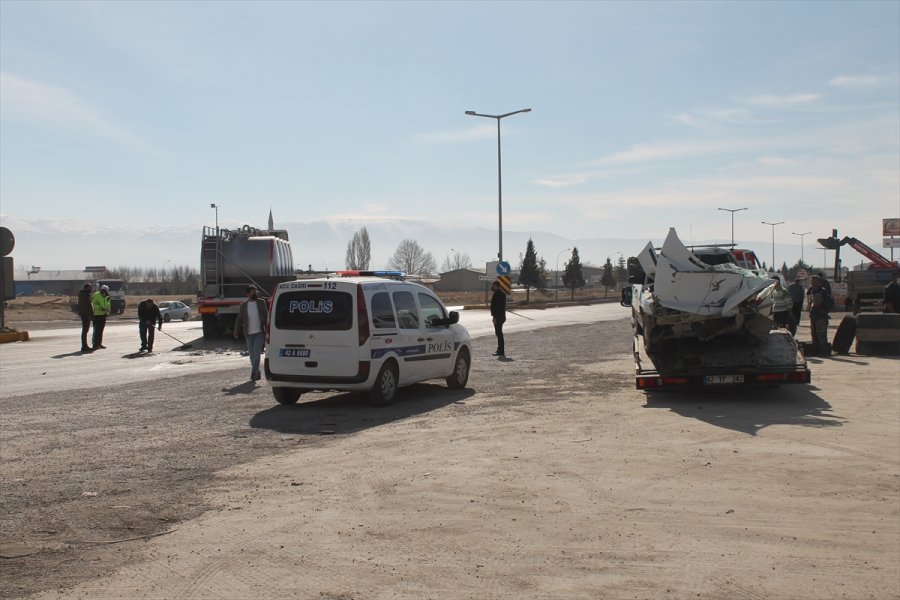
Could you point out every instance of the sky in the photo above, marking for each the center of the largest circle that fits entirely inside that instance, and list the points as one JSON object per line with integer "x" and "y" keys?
{"x": 645, "y": 115}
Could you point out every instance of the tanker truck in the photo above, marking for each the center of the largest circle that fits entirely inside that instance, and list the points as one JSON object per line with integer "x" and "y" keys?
{"x": 232, "y": 259}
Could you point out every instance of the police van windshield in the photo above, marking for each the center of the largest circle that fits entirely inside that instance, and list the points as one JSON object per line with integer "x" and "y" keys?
{"x": 314, "y": 310}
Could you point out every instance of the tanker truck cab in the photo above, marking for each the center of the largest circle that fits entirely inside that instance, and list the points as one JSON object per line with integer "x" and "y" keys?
{"x": 361, "y": 333}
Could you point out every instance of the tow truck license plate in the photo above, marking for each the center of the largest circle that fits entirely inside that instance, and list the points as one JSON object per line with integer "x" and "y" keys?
{"x": 293, "y": 352}
{"x": 720, "y": 379}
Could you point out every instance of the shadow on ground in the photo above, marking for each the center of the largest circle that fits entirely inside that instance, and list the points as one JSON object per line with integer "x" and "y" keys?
{"x": 749, "y": 410}
{"x": 349, "y": 413}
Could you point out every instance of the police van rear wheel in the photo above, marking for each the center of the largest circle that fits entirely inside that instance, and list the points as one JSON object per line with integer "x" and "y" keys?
{"x": 460, "y": 375}
{"x": 385, "y": 389}
{"x": 286, "y": 395}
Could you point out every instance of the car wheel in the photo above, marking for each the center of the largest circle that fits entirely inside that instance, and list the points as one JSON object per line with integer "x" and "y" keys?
{"x": 185, "y": 316}
{"x": 460, "y": 374}
{"x": 286, "y": 395}
{"x": 385, "y": 389}
{"x": 167, "y": 317}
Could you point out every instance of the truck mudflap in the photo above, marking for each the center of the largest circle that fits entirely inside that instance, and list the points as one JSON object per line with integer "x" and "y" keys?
{"x": 724, "y": 362}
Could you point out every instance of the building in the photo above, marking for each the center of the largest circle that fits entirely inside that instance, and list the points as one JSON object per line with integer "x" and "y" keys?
{"x": 461, "y": 280}
{"x": 45, "y": 282}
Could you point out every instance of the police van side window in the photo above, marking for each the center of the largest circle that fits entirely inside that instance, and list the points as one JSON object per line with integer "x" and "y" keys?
{"x": 383, "y": 311}
{"x": 431, "y": 309}
{"x": 407, "y": 313}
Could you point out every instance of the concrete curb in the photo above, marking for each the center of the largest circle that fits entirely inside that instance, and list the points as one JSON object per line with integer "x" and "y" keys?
{"x": 13, "y": 336}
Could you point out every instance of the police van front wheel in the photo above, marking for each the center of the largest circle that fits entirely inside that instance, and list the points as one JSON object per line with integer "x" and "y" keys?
{"x": 385, "y": 389}
{"x": 460, "y": 374}
{"x": 286, "y": 395}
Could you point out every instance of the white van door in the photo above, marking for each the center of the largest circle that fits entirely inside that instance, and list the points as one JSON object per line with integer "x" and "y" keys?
{"x": 410, "y": 346}
{"x": 313, "y": 332}
{"x": 438, "y": 338}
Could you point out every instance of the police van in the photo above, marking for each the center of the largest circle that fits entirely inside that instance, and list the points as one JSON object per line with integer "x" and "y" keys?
{"x": 361, "y": 333}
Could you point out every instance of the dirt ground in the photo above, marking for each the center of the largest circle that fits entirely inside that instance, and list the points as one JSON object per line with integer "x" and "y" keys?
{"x": 549, "y": 477}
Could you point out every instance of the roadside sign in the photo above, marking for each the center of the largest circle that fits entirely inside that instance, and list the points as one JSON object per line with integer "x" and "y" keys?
{"x": 485, "y": 278}
{"x": 505, "y": 284}
{"x": 891, "y": 242}
{"x": 503, "y": 268}
{"x": 890, "y": 227}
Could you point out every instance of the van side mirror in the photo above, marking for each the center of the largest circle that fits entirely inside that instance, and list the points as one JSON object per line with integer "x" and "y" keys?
{"x": 626, "y": 297}
{"x": 453, "y": 318}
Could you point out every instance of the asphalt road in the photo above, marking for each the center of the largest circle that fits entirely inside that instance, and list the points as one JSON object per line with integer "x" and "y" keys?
{"x": 51, "y": 361}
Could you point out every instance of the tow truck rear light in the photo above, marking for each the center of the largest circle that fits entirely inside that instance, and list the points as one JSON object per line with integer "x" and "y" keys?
{"x": 362, "y": 315}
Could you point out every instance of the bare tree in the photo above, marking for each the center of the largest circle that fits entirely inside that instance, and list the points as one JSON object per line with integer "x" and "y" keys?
{"x": 359, "y": 251}
{"x": 410, "y": 258}
{"x": 456, "y": 261}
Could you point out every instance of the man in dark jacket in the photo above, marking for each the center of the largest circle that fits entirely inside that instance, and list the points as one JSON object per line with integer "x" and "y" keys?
{"x": 148, "y": 317}
{"x": 820, "y": 304}
{"x": 498, "y": 315}
{"x": 251, "y": 321}
{"x": 86, "y": 312}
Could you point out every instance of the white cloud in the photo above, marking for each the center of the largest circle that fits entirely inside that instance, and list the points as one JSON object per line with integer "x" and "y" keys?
{"x": 653, "y": 152}
{"x": 776, "y": 161}
{"x": 462, "y": 135}
{"x": 858, "y": 81}
{"x": 52, "y": 105}
{"x": 558, "y": 181}
{"x": 772, "y": 100}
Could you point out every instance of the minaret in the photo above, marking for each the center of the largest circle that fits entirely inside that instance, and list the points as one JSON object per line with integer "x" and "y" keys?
{"x": 271, "y": 221}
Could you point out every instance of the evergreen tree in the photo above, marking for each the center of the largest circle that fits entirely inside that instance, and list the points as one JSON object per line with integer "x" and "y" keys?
{"x": 529, "y": 275}
{"x": 542, "y": 270}
{"x": 621, "y": 271}
{"x": 607, "y": 280}
{"x": 573, "y": 277}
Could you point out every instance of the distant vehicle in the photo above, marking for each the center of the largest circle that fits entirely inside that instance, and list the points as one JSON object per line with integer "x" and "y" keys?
{"x": 174, "y": 310}
{"x": 232, "y": 259}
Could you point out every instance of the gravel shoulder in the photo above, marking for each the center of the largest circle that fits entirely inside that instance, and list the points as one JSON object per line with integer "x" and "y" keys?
{"x": 548, "y": 477}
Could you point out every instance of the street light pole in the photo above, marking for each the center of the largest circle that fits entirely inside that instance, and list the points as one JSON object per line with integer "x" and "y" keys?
{"x": 216, "y": 206}
{"x": 556, "y": 284}
{"x": 732, "y": 211}
{"x": 773, "y": 240}
{"x": 801, "y": 244}
{"x": 472, "y": 113}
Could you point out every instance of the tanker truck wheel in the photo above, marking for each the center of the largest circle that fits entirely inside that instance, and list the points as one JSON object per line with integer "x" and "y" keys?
{"x": 210, "y": 330}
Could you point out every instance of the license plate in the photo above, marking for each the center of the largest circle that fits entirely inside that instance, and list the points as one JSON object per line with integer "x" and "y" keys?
{"x": 293, "y": 352}
{"x": 722, "y": 379}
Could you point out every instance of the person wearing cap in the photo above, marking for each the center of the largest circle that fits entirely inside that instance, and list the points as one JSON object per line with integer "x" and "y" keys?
{"x": 148, "y": 317}
{"x": 101, "y": 305}
{"x": 820, "y": 304}
{"x": 86, "y": 312}
{"x": 251, "y": 322}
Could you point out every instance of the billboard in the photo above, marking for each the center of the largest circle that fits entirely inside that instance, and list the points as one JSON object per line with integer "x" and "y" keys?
{"x": 890, "y": 227}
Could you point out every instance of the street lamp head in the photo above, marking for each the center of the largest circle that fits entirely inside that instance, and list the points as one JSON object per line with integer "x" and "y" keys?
{"x": 470, "y": 112}
{"x": 212, "y": 205}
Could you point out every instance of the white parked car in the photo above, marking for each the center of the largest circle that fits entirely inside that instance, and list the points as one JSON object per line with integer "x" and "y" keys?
{"x": 174, "y": 310}
{"x": 362, "y": 334}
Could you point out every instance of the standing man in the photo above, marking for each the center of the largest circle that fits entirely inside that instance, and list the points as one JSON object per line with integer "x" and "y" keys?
{"x": 101, "y": 304}
{"x": 892, "y": 294}
{"x": 251, "y": 321}
{"x": 86, "y": 312}
{"x": 148, "y": 317}
{"x": 820, "y": 304}
{"x": 797, "y": 296}
{"x": 498, "y": 316}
